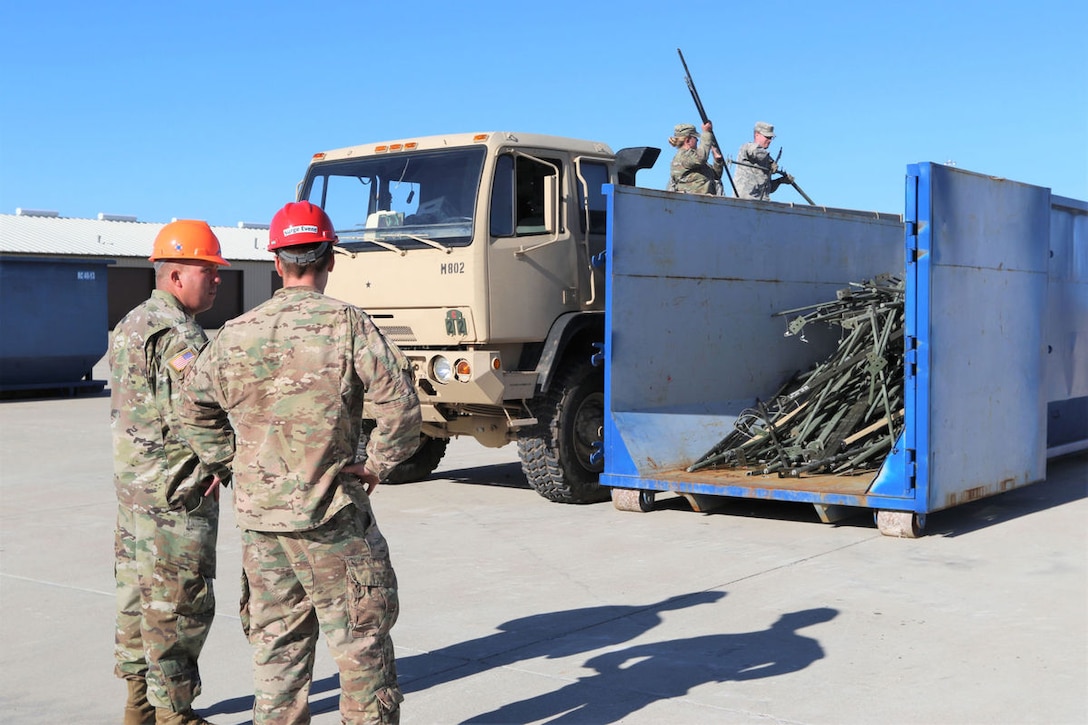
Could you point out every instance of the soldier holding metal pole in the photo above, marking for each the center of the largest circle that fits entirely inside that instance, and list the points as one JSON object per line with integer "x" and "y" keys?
{"x": 710, "y": 145}
{"x": 755, "y": 167}
{"x": 689, "y": 171}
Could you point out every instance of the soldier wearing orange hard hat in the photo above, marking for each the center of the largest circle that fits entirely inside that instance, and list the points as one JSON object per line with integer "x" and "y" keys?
{"x": 168, "y": 514}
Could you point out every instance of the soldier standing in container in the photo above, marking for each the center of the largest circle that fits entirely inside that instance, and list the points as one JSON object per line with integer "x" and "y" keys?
{"x": 689, "y": 171}
{"x": 755, "y": 166}
{"x": 167, "y": 517}
{"x": 291, "y": 374}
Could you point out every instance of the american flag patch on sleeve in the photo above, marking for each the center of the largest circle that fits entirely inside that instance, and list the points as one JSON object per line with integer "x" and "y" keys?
{"x": 181, "y": 360}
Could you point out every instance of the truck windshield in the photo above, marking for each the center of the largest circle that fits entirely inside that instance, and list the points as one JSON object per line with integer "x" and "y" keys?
{"x": 404, "y": 200}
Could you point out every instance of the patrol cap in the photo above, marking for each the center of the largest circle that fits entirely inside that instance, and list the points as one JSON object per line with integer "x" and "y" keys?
{"x": 765, "y": 129}
{"x": 683, "y": 130}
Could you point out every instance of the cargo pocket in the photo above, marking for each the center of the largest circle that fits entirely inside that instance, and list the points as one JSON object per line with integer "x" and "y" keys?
{"x": 196, "y": 597}
{"x": 389, "y": 700}
{"x": 373, "y": 603}
{"x": 180, "y": 684}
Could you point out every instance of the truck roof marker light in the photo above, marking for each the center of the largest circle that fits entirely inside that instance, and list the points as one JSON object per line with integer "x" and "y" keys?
{"x": 384, "y": 148}
{"x": 479, "y": 137}
{"x": 320, "y": 155}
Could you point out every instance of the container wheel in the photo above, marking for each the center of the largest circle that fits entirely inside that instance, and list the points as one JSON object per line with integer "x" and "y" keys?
{"x": 901, "y": 524}
{"x": 558, "y": 452}
{"x": 414, "y": 468}
{"x": 629, "y": 499}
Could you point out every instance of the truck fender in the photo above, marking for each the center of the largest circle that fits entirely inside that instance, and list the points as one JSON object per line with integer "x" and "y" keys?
{"x": 565, "y": 329}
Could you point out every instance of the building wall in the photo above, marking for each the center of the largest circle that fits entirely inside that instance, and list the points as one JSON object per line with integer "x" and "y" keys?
{"x": 243, "y": 286}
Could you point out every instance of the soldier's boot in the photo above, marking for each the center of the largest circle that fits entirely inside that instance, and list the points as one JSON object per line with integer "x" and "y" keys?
{"x": 138, "y": 711}
{"x": 163, "y": 716}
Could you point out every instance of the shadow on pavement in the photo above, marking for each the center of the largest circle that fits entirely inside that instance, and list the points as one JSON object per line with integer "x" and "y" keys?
{"x": 552, "y": 635}
{"x": 628, "y": 680}
{"x": 506, "y": 475}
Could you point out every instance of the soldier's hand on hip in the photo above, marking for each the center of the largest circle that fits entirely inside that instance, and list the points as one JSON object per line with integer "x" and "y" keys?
{"x": 359, "y": 471}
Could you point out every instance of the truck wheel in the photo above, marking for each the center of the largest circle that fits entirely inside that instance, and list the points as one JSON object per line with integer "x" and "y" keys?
{"x": 415, "y": 468}
{"x": 556, "y": 451}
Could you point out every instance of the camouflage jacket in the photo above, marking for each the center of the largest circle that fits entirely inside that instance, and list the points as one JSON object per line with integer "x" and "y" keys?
{"x": 150, "y": 351}
{"x": 689, "y": 171}
{"x": 752, "y": 176}
{"x": 290, "y": 376}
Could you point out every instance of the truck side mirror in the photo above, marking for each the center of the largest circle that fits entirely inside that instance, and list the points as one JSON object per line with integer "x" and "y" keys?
{"x": 630, "y": 161}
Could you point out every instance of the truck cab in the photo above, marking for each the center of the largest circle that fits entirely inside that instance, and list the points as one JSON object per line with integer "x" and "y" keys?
{"x": 479, "y": 255}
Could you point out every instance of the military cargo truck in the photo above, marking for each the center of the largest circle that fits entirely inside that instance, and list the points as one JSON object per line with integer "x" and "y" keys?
{"x": 479, "y": 255}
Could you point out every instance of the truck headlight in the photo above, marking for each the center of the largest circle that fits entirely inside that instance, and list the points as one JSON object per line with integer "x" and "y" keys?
{"x": 441, "y": 369}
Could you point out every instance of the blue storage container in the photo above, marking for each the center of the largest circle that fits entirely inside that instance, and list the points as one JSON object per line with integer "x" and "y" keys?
{"x": 53, "y": 322}
{"x": 996, "y": 336}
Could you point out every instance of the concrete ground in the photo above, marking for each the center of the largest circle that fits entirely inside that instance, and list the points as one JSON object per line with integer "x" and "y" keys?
{"x": 516, "y": 610}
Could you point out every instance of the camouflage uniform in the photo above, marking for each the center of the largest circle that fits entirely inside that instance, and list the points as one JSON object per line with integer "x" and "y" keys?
{"x": 753, "y": 173}
{"x": 166, "y": 526}
{"x": 291, "y": 375}
{"x": 689, "y": 171}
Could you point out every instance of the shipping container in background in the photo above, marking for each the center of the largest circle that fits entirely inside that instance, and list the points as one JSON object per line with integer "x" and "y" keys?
{"x": 995, "y": 374}
{"x": 53, "y": 323}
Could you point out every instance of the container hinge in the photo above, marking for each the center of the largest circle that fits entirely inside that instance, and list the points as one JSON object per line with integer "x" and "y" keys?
{"x": 912, "y": 468}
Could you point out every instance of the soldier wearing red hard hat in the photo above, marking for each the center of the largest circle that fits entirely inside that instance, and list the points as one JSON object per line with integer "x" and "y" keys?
{"x": 167, "y": 516}
{"x": 293, "y": 372}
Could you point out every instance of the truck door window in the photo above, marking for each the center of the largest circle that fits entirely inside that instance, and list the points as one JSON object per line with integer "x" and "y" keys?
{"x": 502, "y": 198}
{"x": 517, "y": 196}
{"x": 595, "y": 175}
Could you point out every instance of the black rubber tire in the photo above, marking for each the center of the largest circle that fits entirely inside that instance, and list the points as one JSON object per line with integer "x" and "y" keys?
{"x": 416, "y": 468}
{"x": 555, "y": 451}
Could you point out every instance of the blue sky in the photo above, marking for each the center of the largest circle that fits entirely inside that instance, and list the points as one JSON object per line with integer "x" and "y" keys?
{"x": 212, "y": 110}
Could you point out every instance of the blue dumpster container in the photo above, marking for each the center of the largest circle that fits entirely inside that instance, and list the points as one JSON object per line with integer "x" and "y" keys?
{"x": 53, "y": 322}
{"x": 996, "y": 308}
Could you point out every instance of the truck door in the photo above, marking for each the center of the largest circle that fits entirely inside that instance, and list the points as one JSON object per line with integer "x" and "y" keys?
{"x": 532, "y": 270}
{"x": 592, "y": 222}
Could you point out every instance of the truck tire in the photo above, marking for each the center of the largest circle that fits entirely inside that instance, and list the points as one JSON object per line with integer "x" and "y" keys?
{"x": 415, "y": 468}
{"x": 556, "y": 451}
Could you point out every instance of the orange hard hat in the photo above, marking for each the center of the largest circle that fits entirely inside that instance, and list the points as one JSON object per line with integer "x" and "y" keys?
{"x": 300, "y": 222}
{"x": 187, "y": 239}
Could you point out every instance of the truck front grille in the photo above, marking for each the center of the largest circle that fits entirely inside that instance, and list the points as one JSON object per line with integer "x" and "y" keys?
{"x": 398, "y": 333}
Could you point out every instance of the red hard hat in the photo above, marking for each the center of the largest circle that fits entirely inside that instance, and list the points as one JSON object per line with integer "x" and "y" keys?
{"x": 300, "y": 222}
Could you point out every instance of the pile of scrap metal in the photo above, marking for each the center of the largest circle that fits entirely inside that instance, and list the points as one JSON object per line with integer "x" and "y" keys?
{"x": 844, "y": 415}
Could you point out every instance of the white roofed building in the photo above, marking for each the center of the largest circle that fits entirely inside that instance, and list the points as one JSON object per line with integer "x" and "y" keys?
{"x": 249, "y": 280}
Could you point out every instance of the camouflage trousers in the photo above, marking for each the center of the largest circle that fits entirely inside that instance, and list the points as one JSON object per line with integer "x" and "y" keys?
{"x": 337, "y": 580}
{"x": 164, "y": 566}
